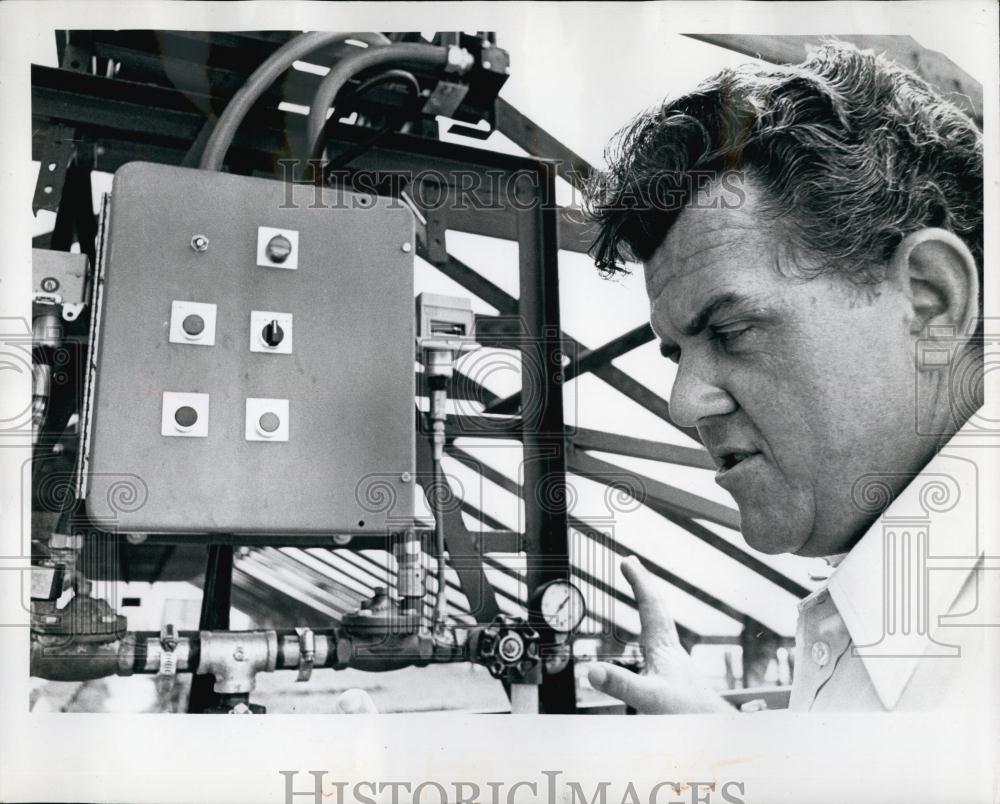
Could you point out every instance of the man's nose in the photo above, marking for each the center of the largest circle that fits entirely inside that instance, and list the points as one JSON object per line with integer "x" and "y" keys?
{"x": 696, "y": 396}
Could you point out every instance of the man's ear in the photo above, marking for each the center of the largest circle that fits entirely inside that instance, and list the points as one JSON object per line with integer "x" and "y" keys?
{"x": 938, "y": 273}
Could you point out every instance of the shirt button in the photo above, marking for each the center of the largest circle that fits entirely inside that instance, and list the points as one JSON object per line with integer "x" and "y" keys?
{"x": 821, "y": 653}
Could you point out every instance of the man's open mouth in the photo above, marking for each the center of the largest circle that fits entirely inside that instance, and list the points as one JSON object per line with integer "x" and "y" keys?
{"x": 730, "y": 459}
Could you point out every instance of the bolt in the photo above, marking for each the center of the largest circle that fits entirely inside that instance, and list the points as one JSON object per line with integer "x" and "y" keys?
{"x": 406, "y": 477}
{"x": 487, "y": 65}
{"x": 199, "y": 243}
{"x": 407, "y": 248}
{"x": 238, "y": 654}
{"x": 241, "y": 709}
{"x": 50, "y": 284}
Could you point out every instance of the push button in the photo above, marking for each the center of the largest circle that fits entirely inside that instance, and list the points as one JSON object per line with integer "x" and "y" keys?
{"x": 185, "y": 416}
{"x": 193, "y": 324}
{"x": 278, "y": 248}
{"x": 269, "y": 422}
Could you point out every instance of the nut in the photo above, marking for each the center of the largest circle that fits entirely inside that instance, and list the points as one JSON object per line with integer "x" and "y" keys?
{"x": 199, "y": 243}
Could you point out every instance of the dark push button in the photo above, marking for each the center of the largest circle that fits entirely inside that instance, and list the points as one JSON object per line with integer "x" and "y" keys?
{"x": 193, "y": 324}
{"x": 185, "y": 416}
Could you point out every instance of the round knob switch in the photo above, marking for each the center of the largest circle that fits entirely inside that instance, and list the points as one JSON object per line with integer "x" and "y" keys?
{"x": 272, "y": 333}
{"x": 193, "y": 324}
{"x": 278, "y": 248}
{"x": 269, "y": 422}
{"x": 185, "y": 416}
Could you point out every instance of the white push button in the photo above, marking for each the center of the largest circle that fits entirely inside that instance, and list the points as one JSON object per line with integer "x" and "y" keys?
{"x": 266, "y": 420}
{"x": 192, "y": 323}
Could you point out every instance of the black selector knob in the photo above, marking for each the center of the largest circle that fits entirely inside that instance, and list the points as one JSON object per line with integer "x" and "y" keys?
{"x": 273, "y": 334}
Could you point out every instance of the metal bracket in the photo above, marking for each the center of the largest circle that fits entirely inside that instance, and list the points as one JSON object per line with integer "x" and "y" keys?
{"x": 307, "y": 652}
{"x": 55, "y": 154}
{"x": 434, "y": 232}
{"x": 96, "y": 294}
{"x": 446, "y": 98}
{"x": 168, "y": 653}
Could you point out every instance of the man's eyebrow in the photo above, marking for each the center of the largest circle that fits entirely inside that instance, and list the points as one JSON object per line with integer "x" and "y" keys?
{"x": 720, "y": 303}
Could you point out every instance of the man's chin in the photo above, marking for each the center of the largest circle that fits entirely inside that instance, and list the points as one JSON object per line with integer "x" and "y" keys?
{"x": 772, "y": 535}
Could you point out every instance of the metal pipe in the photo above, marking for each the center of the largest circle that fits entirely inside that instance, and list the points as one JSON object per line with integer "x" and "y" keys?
{"x": 262, "y": 78}
{"x": 41, "y": 384}
{"x": 349, "y": 66}
{"x": 232, "y": 657}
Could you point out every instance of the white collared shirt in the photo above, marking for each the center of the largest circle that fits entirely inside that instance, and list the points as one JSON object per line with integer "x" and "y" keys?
{"x": 910, "y": 619}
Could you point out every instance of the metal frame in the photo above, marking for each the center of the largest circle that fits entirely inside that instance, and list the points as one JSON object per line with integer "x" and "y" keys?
{"x": 113, "y": 120}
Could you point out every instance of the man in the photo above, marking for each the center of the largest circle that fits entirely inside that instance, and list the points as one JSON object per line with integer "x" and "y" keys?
{"x": 803, "y": 230}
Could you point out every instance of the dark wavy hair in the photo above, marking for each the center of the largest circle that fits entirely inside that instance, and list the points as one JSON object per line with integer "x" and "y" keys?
{"x": 852, "y": 152}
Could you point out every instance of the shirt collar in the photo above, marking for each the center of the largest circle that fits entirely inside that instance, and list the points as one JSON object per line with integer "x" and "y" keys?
{"x": 942, "y": 501}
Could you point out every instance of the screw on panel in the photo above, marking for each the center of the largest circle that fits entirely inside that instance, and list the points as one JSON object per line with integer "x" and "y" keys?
{"x": 407, "y": 248}
{"x": 50, "y": 284}
{"x": 199, "y": 243}
{"x": 406, "y": 477}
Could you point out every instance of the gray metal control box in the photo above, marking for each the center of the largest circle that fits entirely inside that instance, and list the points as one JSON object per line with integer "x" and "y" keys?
{"x": 254, "y": 358}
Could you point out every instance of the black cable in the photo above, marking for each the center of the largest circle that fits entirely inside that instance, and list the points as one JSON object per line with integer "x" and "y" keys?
{"x": 386, "y": 77}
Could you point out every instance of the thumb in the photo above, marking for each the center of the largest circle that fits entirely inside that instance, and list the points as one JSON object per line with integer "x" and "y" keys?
{"x": 643, "y": 693}
{"x": 355, "y": 702}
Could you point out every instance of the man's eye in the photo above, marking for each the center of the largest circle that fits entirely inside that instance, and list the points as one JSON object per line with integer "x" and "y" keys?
{"x": 731, "y": 336}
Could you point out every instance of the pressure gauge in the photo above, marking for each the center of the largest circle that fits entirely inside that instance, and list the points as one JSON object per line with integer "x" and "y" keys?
{"x": 561, "y": 606}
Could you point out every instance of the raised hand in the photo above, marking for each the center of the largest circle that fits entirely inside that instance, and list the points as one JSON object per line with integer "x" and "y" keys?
{"x": 670, "y": 684}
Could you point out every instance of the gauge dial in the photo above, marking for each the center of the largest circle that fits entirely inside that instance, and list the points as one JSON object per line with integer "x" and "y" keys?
{"x": 562, "y": 606}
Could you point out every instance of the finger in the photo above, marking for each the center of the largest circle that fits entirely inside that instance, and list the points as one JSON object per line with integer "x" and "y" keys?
{"x": 356, "y": 702}
{"x": 643, "y": 693}
{"x": 657, "y": 625}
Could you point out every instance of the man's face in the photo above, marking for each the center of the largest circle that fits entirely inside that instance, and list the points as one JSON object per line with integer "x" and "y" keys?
{"x": 797, "y": 387}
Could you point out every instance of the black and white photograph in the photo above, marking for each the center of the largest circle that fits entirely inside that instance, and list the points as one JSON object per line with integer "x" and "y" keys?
{"x": 625, "y": 360}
